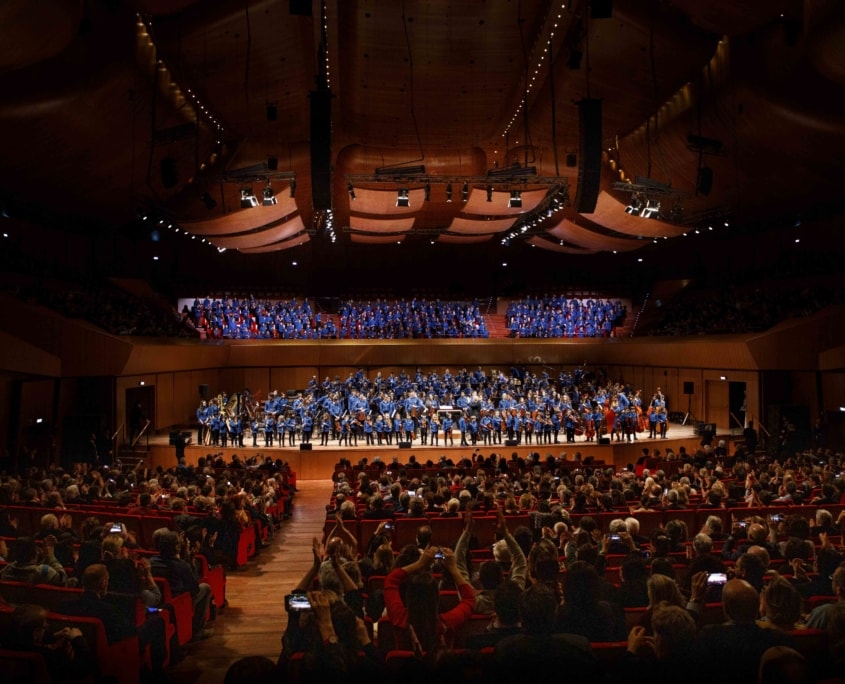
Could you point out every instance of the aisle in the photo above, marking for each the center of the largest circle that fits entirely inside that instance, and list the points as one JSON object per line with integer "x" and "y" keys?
{"x": 255, "y": 619}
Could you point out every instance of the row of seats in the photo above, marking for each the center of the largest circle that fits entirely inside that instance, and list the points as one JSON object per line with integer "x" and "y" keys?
{"x": 445, "y": 531}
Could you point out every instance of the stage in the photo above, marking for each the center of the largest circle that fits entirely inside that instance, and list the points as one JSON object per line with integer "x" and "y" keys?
{"x": 318, "y": 463}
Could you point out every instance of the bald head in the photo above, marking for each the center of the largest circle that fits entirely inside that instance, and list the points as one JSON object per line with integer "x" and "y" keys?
{"x": 761, "y": 554}
{"x": 757, "y": 533}
{"x": 741, "y": 601}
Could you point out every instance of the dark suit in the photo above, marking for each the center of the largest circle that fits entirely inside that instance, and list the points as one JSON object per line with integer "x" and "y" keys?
{"x": 118, "y": 621}
{"x": 523, "y": 653}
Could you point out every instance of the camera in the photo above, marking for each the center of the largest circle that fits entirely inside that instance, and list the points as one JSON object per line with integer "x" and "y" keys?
{"x": 717, "y": 578}
{"x": 776, "y": 517}
{"x": 115, "y": 529}
{"x": 152, "y": 611}
{"x": 614, "y": 537}
{"x": 439, "y": 555}
{"x": 388, "y": 525}
{"x": 743, "y": 523}
{"x": 297, "y": 603}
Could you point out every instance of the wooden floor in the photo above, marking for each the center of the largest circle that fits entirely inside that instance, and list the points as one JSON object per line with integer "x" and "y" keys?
{"x": 255, "y": 619}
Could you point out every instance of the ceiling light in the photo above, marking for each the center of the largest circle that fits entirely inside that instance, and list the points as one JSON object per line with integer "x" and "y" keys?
{"x": 402, "y": 199}
{"x": 516, "y": 199}
{"x": 248, "y": 198}
{"x": 269, "y": 198}
{"x": 448, "y": 192}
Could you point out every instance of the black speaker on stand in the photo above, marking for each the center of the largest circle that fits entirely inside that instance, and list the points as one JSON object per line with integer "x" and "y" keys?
{"x": 511, "y": 442}
{"x": 404, "y": 445}
{"x": 305, "y": 446}
{"x": 689, "y": 390}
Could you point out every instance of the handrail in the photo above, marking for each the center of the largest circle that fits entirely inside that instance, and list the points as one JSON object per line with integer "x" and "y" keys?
{"x": 140, "y": 433}
{"x": 121, "y": 428}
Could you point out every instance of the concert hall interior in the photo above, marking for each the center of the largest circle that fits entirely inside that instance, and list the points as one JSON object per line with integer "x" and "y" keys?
{"x": 591, "y": 203}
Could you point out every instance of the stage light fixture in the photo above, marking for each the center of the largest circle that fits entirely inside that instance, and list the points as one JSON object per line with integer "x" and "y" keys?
{"x": 448, "y": 192}
{"x": 248, "y": 198}
{"x": 351, "y": 190}
{"x": 427, "y": 191}
{"x": 269, "y": 199}
{"x": 635, "y": 206}
{"x": 293, "y": 187}
{"x": 402, "y": 199}
{"x": 516, "y": 199}
{"x": 465, "y": 192}
{"x": 652, "y": 210}
{"x": 489, "y": 193}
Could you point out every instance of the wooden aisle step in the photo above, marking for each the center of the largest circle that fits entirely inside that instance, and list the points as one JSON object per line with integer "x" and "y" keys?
{"x": 255, "y": 619}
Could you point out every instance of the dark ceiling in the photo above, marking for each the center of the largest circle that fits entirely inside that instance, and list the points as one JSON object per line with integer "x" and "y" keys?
{"x": 170, "y": 107}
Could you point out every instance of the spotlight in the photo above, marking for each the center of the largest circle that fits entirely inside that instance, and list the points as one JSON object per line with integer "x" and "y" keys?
{"x": 448, "y": 192}
{"x": 635, "y": 206}
{"x": 652, "y": 210}
{"x": 489, "y": 193}
{"x": 351, "y": 190}
{"x": 269, "y": 198}
{"x": 516, "y": 199}
{"x": 427, "y": 191}
{"x": 402, "y": 199}
{"x": 465, "y": 192}
{"x": 248, "y": 198}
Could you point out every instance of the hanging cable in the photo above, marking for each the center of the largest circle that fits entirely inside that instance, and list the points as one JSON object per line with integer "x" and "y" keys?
{"x": 519, "y": 22}
{"x": 554, "y": 122}
{"x": 411, "y": 88}
{"x": 246, "y": 65}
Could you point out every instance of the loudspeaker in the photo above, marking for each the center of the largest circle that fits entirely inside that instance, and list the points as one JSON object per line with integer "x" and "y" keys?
{"x": 601, "y": 9}
{"x": 689, "y": 388}
{"x": 704, "y": 184}
{"x": 272, "y": 163}
{"x": 571, "y": 160}
{"x": 203, "y": 389}
{"x": 169, "y": 176}
{"x": 300, "y": 8}
{"x": 305, "y": 447}
{"x": 511, "y": 442}
{"x": 604, "y": 440}
{"x": 589, "y": 172}
{"x": 272, "y": 112}
{"x": 321, "y": 148}
{"x": 404, "y": 445}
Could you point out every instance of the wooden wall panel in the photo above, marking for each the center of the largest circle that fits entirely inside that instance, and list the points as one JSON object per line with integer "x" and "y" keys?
{"x": 165, "y": 409}
{"x": 716, "y": 403}
{"x": 185, "y": 396}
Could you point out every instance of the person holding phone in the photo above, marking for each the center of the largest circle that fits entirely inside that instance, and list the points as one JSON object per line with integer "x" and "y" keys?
{"x": 419, "y": 609}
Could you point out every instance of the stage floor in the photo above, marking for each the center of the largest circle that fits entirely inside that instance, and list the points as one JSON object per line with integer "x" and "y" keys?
{"x": 318, "y": 462}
